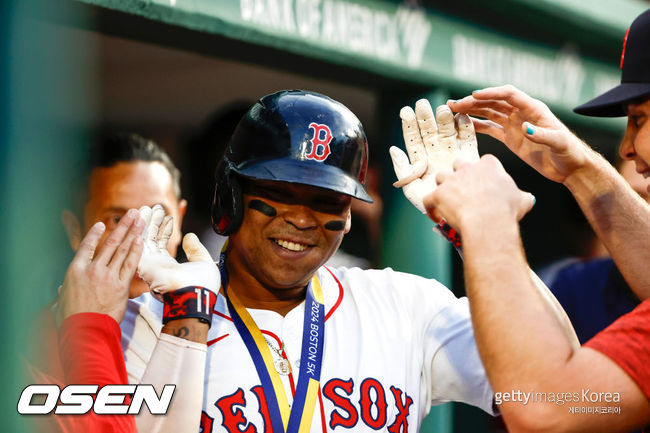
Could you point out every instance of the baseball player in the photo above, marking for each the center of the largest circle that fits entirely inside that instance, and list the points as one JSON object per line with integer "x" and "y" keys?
{"x": 128, "y": 171}
{"x": 294, "y": 345}
{"x": 604, "y": 385}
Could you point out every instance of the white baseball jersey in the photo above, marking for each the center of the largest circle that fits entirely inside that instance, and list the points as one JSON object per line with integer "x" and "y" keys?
{"x": 395, "y": 344}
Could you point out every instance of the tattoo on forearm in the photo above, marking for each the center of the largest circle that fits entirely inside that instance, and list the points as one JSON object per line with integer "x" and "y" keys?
{"x": 188, "y": 329}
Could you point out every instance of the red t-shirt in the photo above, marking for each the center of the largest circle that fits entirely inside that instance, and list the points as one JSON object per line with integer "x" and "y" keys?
{"x": 88, "y": 352}
{"x": 627, "y": 342}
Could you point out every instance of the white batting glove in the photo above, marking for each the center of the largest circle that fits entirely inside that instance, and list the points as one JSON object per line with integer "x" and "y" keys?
{"x": 431, "y": 148}
{"x": 160, "y": 270}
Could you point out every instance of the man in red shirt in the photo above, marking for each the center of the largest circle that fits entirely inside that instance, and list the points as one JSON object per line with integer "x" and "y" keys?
{"x": 541, "y": 383}
{"x": 127, "y": 171}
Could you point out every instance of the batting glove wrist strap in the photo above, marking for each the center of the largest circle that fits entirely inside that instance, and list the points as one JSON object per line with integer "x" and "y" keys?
{"x": 450, "y": 234}
{"x": 189, "y": 302}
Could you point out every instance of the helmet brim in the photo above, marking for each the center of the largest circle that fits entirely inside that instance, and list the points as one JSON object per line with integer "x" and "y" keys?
{"x": 305, "y": 173}
{"x": 611, "y": 103}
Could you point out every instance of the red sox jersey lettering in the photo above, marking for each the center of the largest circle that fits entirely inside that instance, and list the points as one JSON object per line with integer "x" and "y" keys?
{"x": 350, "y": 417}
{"x": 230, "y": 407}
{"x": 367, "y": 402}
{"x": 372, "y": 406}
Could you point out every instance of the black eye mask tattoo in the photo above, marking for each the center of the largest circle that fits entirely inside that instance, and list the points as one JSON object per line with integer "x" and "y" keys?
{"x": 335, "y": 225}
{"x": 265, "y": 208}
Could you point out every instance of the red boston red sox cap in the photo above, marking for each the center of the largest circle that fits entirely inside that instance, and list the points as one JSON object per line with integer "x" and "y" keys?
{"x": 635, "y": 77}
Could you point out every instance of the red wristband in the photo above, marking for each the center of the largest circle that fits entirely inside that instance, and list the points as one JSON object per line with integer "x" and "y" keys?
{"x": 449, "y": 233}
{"x": 189, "y": 302}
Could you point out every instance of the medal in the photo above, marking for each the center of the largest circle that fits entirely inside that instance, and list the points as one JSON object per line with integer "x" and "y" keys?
{"x": 282, "y": 366}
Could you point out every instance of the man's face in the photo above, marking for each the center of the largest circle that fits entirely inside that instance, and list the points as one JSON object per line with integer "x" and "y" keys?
{"x": 288, "y": 231}
{"x": 116, "y": 189}
{"x": 636, "y": 143}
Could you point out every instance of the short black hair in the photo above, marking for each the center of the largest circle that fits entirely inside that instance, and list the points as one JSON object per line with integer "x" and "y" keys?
{"x": 109, "y": 149}
{"x": 129, "y": 147}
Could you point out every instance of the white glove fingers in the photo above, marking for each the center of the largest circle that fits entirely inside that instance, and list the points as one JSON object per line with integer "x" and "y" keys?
{"x": 418, "y": 170}
{"x": 443, "y": 155}
{"x": 426, "y": 123}
{"x": 446, "y": 125}
{"x": 411, "y": 133}
{"x": 404, "y": 171}
{"x": 441, "y": 138}
{"x": 467, "y": 137}
{"x": 194, "y": 249}
{"x": 157, "y": 216}
{"x": 165, "y": 232}
{"x": 415, "y": 192}
{"x": 145, "y": 267}
{"x": 145, "y": 214}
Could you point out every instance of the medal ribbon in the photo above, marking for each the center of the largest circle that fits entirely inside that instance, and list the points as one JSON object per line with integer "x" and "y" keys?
{"x": 296, "y": 419}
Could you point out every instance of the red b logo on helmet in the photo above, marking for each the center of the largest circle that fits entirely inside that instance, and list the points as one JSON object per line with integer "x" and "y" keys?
{"x": 320, "y": 141}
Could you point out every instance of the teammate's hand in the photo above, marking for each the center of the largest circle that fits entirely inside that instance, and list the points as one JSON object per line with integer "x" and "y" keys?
{"x": 160, "y": 270}
{"x": 477, "y": 193}
{"x": 431, "y": 148}
{"x": 529, "y": 128}
{"x": 98, "y": 281}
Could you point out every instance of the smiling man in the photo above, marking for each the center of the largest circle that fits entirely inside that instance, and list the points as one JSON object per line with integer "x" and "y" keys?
{"x": 284, "y": 252}
{"x": 295, "y": 345}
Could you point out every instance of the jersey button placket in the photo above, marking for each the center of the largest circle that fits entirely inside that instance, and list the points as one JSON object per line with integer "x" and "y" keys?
{"x": 291, "y": 335}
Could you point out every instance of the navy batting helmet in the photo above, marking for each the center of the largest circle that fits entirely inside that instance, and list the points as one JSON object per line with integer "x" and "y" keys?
{"x": 291, "y": 136}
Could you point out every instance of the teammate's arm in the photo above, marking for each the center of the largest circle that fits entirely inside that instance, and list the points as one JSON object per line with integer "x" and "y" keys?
{"x": 89, "y": 346}
{"x": 523, "y": 348}
{"x": 179, "y": 361}
{"x": 433, "y": 148}
{"x": 91, "y": 303}
{"x": 620, "y": 218}
{"x": 188, "y": 289}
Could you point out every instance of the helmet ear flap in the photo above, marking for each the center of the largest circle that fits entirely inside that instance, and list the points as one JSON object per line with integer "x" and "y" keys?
{"x": 237, "y": 205}
{"x": 227, "y": 206}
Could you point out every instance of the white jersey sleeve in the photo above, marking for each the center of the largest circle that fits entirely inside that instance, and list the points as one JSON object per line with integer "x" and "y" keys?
{"x": 452, "y": 363}
{"x": 159, "y": 359}
{"x": 140, "y": 327}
